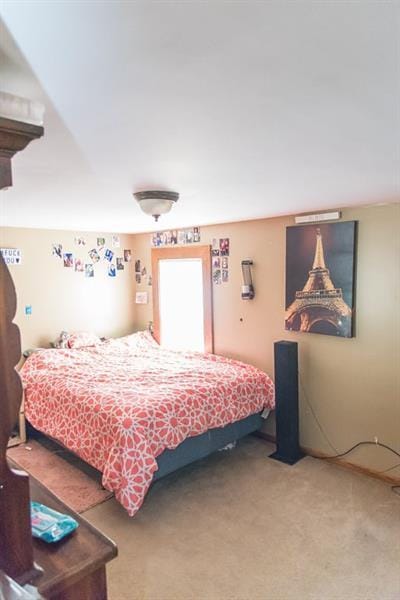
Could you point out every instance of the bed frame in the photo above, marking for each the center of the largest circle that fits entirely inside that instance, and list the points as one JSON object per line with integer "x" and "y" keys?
{"x": 200, "y": 446}
{"x": 192, "y": 449}
{"x": 189, "y": 451}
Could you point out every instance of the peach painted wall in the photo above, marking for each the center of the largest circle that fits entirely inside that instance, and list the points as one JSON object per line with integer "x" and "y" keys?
{"x": 353, "y": 384}
{"x": 60, "y": 297}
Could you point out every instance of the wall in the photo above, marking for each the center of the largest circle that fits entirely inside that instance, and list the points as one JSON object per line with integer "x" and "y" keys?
{"x": 60, "y": 297}
{"x": 353, "y": 384}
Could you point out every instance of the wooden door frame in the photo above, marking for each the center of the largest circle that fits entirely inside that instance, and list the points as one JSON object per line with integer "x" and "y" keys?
{"x": 185, "y": 252}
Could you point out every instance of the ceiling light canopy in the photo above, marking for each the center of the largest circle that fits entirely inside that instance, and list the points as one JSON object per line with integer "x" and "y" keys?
{"x": 156, "y": 202}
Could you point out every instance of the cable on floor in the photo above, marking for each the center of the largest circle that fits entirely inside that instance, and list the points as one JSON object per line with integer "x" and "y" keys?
{"x": 368, "y": 443}
{"x": 341, "y": 454}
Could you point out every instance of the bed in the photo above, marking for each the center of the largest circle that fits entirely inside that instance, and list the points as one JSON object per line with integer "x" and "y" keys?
{"x": 136, "y": 411}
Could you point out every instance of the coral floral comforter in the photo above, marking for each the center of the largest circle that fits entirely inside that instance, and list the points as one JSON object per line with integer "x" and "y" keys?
{"x": 121, "y": 403}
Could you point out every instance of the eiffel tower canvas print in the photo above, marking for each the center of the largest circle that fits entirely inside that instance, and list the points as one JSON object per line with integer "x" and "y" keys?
{"x": 320, "y": 263}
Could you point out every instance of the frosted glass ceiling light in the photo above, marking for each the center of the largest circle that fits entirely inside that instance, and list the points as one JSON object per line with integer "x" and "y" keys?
{"x": 156, "y": 203}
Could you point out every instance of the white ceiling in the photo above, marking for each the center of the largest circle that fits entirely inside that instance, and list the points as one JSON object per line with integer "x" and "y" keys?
{"x": 247, "y": 109}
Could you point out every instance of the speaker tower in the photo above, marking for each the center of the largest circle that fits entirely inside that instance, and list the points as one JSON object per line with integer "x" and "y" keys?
{"x": 287, "y": 403}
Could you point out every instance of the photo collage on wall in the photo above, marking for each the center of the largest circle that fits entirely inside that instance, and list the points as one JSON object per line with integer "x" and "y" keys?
{"x": 84, "y": 260}
{"x": 141, "y": 274}
{"x": 220, "y": 260}
{"x": 175, "y": 237}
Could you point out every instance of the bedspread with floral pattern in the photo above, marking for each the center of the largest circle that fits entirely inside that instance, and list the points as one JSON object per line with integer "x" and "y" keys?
{"x": 120, "y": 404}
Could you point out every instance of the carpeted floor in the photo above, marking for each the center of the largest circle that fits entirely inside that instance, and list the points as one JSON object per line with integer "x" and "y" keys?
{"x": 238, "y": 526}
{"x": 70, "y": 479}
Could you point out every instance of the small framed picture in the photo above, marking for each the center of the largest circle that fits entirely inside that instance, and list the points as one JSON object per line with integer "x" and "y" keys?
{"x": 68, "y": 259}
{"x": 94, "y": 255}
{"x": 108, "y": 255}
{"x": 79, "y": 266}
{"x": 217, "y": 276}
{"x": 142, "y": 298}
{"x": 224, "y": 246}
{"x": 216, "y": 262}
{"x": 57, "y": 250}
{"x": 89, "y": 270}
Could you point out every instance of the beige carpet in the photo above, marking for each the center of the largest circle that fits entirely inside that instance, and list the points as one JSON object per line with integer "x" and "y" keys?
{"x": 67, "y": 477}
{"x": 239, "y": 526}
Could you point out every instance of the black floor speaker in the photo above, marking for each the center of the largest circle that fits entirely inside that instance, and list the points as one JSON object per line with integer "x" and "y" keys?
{"x": 286, "y": 403}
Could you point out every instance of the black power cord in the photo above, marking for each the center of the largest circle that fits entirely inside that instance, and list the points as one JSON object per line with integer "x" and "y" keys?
{"x": 341, "y": 454}
{"x": 368, "y": 443}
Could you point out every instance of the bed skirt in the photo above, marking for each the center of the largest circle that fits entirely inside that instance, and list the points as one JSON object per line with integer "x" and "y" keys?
{"x": 200, "y": 446}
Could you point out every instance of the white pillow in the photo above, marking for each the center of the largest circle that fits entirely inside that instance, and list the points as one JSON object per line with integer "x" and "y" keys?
{"x": 82, "y": 339}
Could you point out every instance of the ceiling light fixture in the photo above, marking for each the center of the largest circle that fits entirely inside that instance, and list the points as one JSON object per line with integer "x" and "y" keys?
{"x": 156, "y": 203}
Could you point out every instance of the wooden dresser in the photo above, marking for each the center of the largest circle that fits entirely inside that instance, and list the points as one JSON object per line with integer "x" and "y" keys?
{"x": 75, "y": 567}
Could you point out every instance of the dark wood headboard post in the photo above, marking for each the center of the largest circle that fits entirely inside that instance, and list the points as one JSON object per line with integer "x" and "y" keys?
{"x": 14, "y": 137}
{"x": 16, "y": 549}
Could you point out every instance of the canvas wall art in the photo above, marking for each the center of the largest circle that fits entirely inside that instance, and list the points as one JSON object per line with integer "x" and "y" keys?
{"x": 320, "y": 264}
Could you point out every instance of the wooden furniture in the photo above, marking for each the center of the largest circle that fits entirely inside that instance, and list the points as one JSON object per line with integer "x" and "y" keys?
{"x": 14, "y": 136}
{"x": 11, "y": 590}
{"x": 75, "y": 567}
{"x": 16, "y": 550}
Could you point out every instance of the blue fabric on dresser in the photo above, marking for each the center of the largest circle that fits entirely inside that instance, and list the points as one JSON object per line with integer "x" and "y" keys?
{"x": 200, "y": 446}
